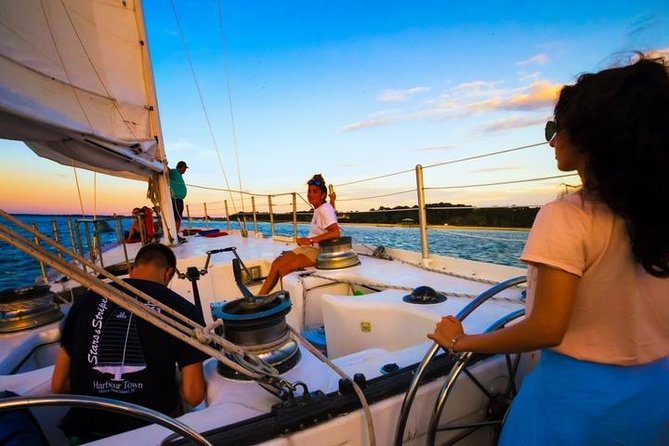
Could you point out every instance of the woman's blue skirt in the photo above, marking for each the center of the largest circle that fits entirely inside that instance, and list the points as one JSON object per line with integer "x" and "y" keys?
{"x": 564, "y": 401}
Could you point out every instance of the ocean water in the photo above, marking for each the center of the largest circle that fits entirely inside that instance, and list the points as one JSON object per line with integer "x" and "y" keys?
{"x": 18, "y": 270}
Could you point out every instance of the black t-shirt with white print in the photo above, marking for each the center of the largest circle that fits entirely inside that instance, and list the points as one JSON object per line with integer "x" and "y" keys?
{"x": 115, "y": 354}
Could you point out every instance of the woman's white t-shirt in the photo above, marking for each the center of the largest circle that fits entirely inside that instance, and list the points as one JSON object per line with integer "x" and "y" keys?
{"x": 324, "y": 216}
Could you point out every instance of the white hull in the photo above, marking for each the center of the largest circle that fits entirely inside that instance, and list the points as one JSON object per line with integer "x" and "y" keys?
{"x": 363, "y": 332}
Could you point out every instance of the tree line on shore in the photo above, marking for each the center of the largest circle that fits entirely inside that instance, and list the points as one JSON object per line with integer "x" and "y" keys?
{"x": 437, "y": 214}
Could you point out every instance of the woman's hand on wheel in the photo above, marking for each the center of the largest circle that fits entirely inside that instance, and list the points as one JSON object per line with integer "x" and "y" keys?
{"x": 446, "y": 330}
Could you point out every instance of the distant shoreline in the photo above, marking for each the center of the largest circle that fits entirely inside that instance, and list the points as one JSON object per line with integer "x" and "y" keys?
{"x": 440, "y": 227}
{"x": 377, "y": 225}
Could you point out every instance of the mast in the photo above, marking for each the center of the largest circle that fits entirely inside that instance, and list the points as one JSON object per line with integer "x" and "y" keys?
{"x": 159, "y": 181}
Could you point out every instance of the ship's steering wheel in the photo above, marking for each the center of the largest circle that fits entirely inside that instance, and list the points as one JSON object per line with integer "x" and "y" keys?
{"x": 455, "y": 371}
{"x": 106, "y": 404}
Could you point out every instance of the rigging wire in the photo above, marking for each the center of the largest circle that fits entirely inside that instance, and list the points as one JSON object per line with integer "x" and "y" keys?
{"x": 378, "y": 177}
{"x": 378, "y": 196}
{"x": 201, "y": 98}
{"x": 222, "y": 189}
{"x": 275, "y": 204}
{"x": 443, "y": 163}
{"x": 305, "y": 200}
{"x": 459, "y": 160}
{"x": 464, "y": 186}
{"x": 226, "y": 69}
{"x": 485, "y": 155}
{"x": 95, "y": 195}
{"x": 498, "y": 183}
{"x": 76, "y": 180}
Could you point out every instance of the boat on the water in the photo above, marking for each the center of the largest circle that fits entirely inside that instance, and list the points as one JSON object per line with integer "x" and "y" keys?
{"x": 372, "y": 328}
{"x": 337, "y": 356}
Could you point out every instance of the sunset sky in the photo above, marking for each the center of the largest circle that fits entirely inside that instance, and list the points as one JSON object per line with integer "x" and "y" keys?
{"x": 355, "y": 90}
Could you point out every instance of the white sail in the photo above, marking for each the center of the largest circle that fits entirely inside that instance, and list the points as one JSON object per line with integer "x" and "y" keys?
{"x": 74, "y": 84}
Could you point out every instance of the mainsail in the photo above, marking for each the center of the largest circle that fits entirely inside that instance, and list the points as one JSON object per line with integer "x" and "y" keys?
{"x": 74, "y": 87}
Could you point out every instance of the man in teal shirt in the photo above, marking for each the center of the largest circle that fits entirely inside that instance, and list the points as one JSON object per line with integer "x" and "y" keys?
{"x": 178, "y": 189}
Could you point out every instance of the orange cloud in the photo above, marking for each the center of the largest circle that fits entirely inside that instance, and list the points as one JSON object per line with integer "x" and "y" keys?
{"x": 659, "y": 53}
{"x": 540, "y": 94}
{"x": 472, "y": 98}
{"x": 537, "y": 95}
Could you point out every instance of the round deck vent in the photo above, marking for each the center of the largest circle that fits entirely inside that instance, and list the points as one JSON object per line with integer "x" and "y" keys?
{"x": 27, "y": 308}
{"x": 336, "y": 254}
{"x": 424, "y": 295}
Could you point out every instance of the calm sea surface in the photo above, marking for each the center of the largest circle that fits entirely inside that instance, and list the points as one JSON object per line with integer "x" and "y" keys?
{"x": 18, "y": 270}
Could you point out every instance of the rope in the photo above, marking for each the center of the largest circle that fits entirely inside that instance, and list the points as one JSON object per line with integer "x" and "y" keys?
{"x": 369, "y": 284}
{"x": 118, "y": 297}
{"x": 204, "y": 335}
{"x": 269, "y": 346}
{"x": 186, "y": 333}
{"x": 358, "y": 391}
{"x": 387, "y": 286}
{"x": 447, "y": 273}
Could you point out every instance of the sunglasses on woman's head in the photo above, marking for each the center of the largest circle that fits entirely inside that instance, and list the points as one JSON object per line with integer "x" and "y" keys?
{"x": 551, "y": 130}
{"x": 314, "y": 182}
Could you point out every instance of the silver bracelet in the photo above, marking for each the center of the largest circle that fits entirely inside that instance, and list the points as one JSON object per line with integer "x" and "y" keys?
{"x": 451, "y": 346}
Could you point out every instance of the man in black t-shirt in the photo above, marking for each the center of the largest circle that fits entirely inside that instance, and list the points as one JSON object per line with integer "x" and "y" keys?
{"x": 108, "y": 352}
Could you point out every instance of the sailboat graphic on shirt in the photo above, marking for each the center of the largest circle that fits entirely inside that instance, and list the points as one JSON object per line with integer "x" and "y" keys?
{"x": 120, "y": 350}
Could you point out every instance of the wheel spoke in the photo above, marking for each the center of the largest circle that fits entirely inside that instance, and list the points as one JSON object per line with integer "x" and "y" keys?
{"x": 478, "y": 384}
{"x": 476, "y": 425}
{"x": 461, "y": 436}
{"x": 496, "y": 406}
{"x": 512, "y": 369}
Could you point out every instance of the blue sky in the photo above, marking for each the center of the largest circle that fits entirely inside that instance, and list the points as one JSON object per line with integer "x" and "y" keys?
{"x": 360, "y": 89}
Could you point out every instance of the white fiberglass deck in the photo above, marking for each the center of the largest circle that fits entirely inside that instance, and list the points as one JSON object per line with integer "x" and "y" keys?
{"x": 364, "y": 333}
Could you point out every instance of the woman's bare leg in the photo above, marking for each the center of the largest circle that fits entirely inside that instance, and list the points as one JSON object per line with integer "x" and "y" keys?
{"x": 284, "y": 264}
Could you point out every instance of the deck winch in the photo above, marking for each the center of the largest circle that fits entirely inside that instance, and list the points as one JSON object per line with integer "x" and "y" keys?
{"x": 258, "y": 324}
{"x": 336, "y": 254}
{"x": 27, "y": 308}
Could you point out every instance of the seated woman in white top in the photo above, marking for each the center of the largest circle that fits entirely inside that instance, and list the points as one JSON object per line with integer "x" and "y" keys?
{"x": 598, "y": 273}
{"x": 323, "y": 227}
